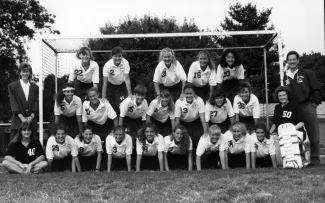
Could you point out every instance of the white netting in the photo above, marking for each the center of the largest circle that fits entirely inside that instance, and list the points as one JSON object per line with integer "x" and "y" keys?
{"x": 48, "y": 60}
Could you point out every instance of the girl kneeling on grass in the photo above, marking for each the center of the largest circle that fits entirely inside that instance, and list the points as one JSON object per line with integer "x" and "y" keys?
{"x": 178, "y": 149}
{"x": 236, "y": 146}
{"x": 24, "y": 154}
{"x": 262, "y": 147}
{"x": 89, "y": 149}
{"x": 119, "y": 149}
{"x": 61, "y": 150}
{"x": 150, "y": 147}
{"x": 208, "y": 152}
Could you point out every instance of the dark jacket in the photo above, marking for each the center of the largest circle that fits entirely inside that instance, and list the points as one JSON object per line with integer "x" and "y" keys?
{"x": 19, "y": 105}
{"x": 304, "y": 86}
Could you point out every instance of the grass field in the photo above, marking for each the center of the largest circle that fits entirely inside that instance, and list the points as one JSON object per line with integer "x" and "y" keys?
{"x": 237, "y": 185}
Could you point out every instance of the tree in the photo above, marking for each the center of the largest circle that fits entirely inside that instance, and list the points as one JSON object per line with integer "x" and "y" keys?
{"x": 19, "y": 22}
{"x": 247, "y": 18}
{"x": 143, "y": 63}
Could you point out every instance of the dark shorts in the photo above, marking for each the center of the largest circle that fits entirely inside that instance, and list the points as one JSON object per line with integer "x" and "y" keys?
{"x": 224, "y": 126}
{"x": 88, "y": 163}
{"x": 81, "y": 89}
{"x": 102, "y": 130}
{"x": 115, "y": 94}
{"x": 203, "y": 92}
{"x": 174, "y": 90}
{"x": 231, "y": 88}
{"x": 164, "y": 129}
{"x": 150, "y": 163}
{"x": 62, "y": 164}
{"x": 132, "y": 126}
{"x": 264, "y": 162}
{"x": 177, "y": 161}
{"x": 195, "y": 131}
{"x": 119, "y": 164}
{"x": 236, "y": 160}
{"x": 249, "y": 123}
{"x": 70, "y": 123}
{"x": 210, "y": 160}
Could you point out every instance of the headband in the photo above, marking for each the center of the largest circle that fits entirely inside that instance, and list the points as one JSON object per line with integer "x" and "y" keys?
{"x": 67, "y": 89}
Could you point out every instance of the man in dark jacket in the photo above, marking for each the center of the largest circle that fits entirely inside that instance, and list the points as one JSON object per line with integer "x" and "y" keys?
{"x": 307, "y": 92}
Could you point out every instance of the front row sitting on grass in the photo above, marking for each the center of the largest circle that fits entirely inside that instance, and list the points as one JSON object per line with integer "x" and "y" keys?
{"x": 149, "y": 151}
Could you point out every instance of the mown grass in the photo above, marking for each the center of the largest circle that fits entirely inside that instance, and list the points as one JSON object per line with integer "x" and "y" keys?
{"x": 240, "y": 185}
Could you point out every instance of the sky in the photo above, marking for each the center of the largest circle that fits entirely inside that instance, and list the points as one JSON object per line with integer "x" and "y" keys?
{"x": 300, "y": 22}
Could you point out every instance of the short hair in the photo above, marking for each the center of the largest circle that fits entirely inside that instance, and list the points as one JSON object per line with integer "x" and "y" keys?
{"x": 165, "y": 51}
{"x": 82, "y": 51}
{"x": 140, "y": 90}
{"x": 293, "y": 53}
{"x": 241, "y": 127}
{"x": 282, "y": 89}
{"x": 93, "y": 89}
{"x": 263, "y": 127}
{"x": 210, "y": 61}
{"x": 245, "y": 85}
{"x": 223, "y": 62}
{"x": 117, "y": 50}
{"x": 86, "y": 127}
{"x": 214, "y": 129}
{"x": 215, "y": 94}
{"x": 56, "y": 127}
{"x": 189, "y": 86}
{"x": 119, "y": 127}
{"x": 25, "y": 65}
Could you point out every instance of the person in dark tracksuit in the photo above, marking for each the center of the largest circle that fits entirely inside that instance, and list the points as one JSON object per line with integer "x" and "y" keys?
{"x": 306, "y": 90}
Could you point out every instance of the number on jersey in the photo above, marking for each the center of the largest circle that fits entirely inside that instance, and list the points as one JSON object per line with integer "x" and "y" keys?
{"x": 226, "y": 74}
{"x": 78, "y": 72}
{"x": 131, "y": 109}
{"x": 163, "y": 74}
{"x": 286, "y": 114}
{"x": 197, "y": 75}
{"x": 111, "y": 72}
{"x": 213, "y": 113}
{"x": 184, "y": 110}
{"x": 87, "y": 111}
{"x": 55, "y": 148}
{"x": 31, "y": 152}
{"x": 241, "y": 105}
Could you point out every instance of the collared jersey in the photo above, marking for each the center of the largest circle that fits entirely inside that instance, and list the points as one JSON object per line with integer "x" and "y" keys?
{"x": 206, "y": 146}
{"x": 169, "y": 76}
{"x": 119, "y": 150}
{"x": 216, "y": 114}
{"x": 129, "y": 108}
{"x": 57, "y": 151}
{"x": 151, "y": 149}
{"x": 200, "y": 78}
{"x": 91, "y": 148}
{"x": 158, "y": 112}
{"x": 229, "y": 73}
{"x": 252, "y": 108}
{"x": 116, "y": 74}
{"x": 235, "y": 147}
{"x": 262, "y": 149}
{"x": 24, "y": 154}
{"x": 69, "y": 109}
{"x": 88, "y": 76}
{"x": 189, "y": 112}
{"x": 171, "y": 147}
{"x": 100, "y": 115}
{"x": 25, "y": 87}
{"x": 289, "y": 113}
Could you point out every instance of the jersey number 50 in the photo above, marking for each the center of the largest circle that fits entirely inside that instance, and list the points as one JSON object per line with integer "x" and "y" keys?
{"x": 286, "y": 114}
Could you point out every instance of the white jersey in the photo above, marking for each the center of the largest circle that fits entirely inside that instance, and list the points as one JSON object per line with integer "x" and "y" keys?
{"x": 60, "y": 151}
{"x": 206, "y": 146}
{"x": 229, "y": 73}
{"x": 119, "y": 150}
{"x": 189, "y": 112}
{"x": 89, "y": 76}
{"x": 151, "y": 149}
{"x": 100, "y": 115}
{"x": 158, "y": 112}
{"x": 129, "y": 108}
{"x": 200, "y": 78}
{"x": 69, "y": 109}
{"x": 262, "y": 149}
{"x": 235, "y": 147}
{"x": 216, "y": 114}
{"x": 169, "y": 76}
{"x": 91, "y": 148}
{"x": 171, "y": 147}
{"x": 252, "y": 108}
{"x": 116, "y": 74}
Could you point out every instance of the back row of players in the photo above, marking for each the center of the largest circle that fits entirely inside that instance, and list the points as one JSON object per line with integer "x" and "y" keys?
{"x": 189, "y": 117}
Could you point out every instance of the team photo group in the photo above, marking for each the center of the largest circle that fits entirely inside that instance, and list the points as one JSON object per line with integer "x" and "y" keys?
{"x": 207, "y": 119}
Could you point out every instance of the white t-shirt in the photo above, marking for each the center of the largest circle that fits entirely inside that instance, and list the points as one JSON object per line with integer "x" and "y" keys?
{"x": 119, "y": 150}
{"x": 91, "y": 75}
{"x": 100, "y": 115}
{"x": 90, "y": 149}
{"x": 171, "y": 147}
{"x": 229, "y": 73}
{"x": 201, "y": 78}
{"x": 114, "y": 74}
{"x": 169, "y": 76}
{"x": 60, "y": 151}
{"x": 262, "y": 149}
{"x": 235, "y": 147}
{"x": 206, "y": 146}
{"x": 158, "y": 112}
{"x": 151, "y": 149}
{"x": 25, "y": 87}
{"x": 252, "y": 108}
{"x": 129, "y": 108}
{"x": 216, "y": 114}
{"x": 69, "y": 109}
{"x": 189, "y": 112}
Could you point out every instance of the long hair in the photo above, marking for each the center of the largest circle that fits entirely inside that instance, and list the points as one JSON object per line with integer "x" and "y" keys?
{"x": 210, "y": 62}
{"x": 215, "y": 94}
{"x": 142, "y": 132}
{"x": 60, "y": 95}
{"x": 167, "y": 51}
{"x": 86, "y": 127}
{"x": 82, "y": 51}
{"x": 166, "y": 93}
{"x": 23, "y": 126}
{"x": 223, "y": 62}
{"x": 185, "y": 142}
{"x": 263, "y": 127}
